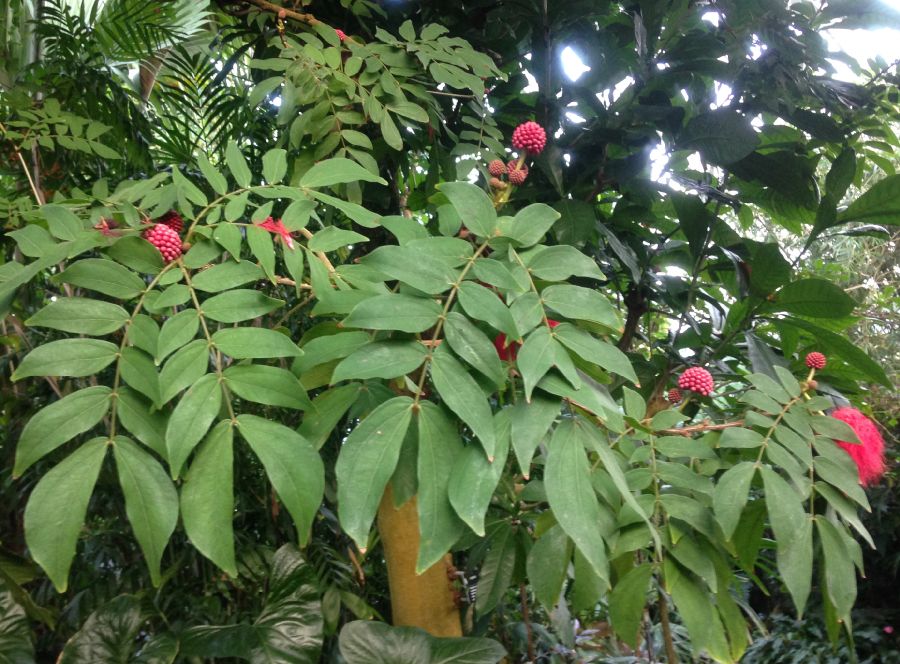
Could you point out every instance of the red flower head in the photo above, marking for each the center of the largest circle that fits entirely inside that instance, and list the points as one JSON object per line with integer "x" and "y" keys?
{"x": 508, "y": 351}
{"x": 340, "y": 33}
{"x": 517, "y": 174}
{"x": 173, "y": 220}
{"x": 165, "y": 240}
{"x": 869, "y": 456}
{"x": 276, "y": 226}
{"x": 696, "y": 379}
{"x": 529, "y": 136}
{"x": 815, "y": 360}
{"x": 675, "y": 395}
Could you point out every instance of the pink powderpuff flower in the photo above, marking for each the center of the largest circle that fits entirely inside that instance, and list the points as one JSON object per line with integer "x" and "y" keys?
{"x": 276, "y": 226}
{"x": 868, "y": 456}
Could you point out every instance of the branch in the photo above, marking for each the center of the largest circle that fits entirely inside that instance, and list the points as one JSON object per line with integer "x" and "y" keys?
{"x": 309, "y": 19}
{"x": 703, "y": 426}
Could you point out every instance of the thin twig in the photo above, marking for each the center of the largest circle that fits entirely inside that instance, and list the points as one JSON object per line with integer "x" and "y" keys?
{"x": 523, "y": 596}
{"x": 309, "y": 19}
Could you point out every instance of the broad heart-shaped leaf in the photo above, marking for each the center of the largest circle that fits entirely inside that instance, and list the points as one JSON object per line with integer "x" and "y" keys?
{"x": 254, "y": 342}
{"x": 55, "y": 512}
{"x": 366, "y": 462}
{"x": 368, "y": 642}
{"x": 80, "y": 315}
{"x": 108, "y": 635}
{"x": 530, "y": 224}
{"x": 237, "y": 165}
{"x": 473, "y": 478}
{"x": 239, "y": 305}
{"x": 567, "y": 479}
{"x": 287, "y": 631}
{"x": 59, "y": 422}
{"x": 394, "y": 312}
{"x": 814, "y": 297}
{"x": 67, "y": 357}
{"x": 627, "y": 600}
{"x": 463, "y": 396}
{"x": 601, "y": 353}
{"x": 15, "y": 631}
{"x": 337, "y": 170}
{"x": 271, "y": 386}
{"x": 581, "y": 303}
{"x": 730, "y": 495}
{"x": 472, "y": 345}
{"x": 793, "y": 536}
{"x": 414, "y": 266}
{"x": 484, "y": 304}
{"x": 548, "y": 561}
{"x": 722, "y": 136}
{"x": 439, "y": 447}
{"x": 293, "y": 466}
{"x": 103, "y": 276}
{"x": 879, "y": 204}
{"x": 207, "y": 498}
{"x": 840, "y": 576}
{"x": 151, "y": 502}
{"x": 382, "y": 359}
{"x": 191, "y": 419}
{"x": 530, "y": 423}
{"x": 473, "y": 206}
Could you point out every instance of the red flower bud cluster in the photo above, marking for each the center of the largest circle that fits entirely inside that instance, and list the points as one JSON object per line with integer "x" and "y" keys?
{"x": 529, "y": 136}
{"x": 165, "y": 239}
{"x": 815, "y": 360}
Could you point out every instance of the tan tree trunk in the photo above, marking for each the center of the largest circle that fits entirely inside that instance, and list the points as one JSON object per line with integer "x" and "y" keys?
{"x": 418, "y": 600}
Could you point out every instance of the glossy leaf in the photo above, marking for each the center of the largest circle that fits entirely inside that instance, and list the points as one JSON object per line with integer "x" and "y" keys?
{"x": 67, "y": 357}
{"x": 190, "y": 420}
{"x": 464, "y": 397}
{"x": 80, "y": 315}
{"x": 271, "y": 386}
{"x": 394, "y": 312}
{"x": 254, "y": 342}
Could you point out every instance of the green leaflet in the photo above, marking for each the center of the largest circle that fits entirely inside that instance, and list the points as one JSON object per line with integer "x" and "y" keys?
{"x": 366, "y": 462}
{"x": 55, "y": 512}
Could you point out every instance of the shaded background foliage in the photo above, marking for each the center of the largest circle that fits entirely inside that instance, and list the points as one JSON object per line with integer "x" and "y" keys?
{"x": 690, "y": 257}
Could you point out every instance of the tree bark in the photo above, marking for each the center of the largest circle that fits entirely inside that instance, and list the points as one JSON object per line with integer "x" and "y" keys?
{"x": 417, "y": 600}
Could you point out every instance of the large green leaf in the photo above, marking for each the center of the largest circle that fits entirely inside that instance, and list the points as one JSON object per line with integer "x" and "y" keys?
{"x": 840, "y": 576}
{"x": 184, "y": 368}
{"x": 439, "y": 447}
{"x": 497, "y": 569}
{"x": 67, "y": 357}
{"x": 103, "y": 276}
{"x": 382, "y": 359}
{"x": 15, "y": 631}
{"x": 581, "y": 303}
{"x": 547, "y": 563}
{"x": 293, "y": 466}
{"x": 601, "y": 353}
{"x": 536, "y": 357}
{"x": 473, "y": 478}
{"x": 237, "y": 165}
{"x": 472, "y": 345}
{"x": 151, "y": 502}
{"x": 627, "y": 600}
{"x": 730, "y": 495}
{"x": 394, "y": 312}
{"x": 108, "y": 636}
{"x": 483, "y": 304}
{"x": 463, "y": 396}
{"x": 879, "y": 204}
{"x": 254, "y": 342}
{"x": 207, "y": 498}
{"x": 722, "y": 136}
{"x": 367, "y": 461}
{"x": 530, "y": 423}
{"x": 473, "y": 206}
{"x": 567, "y": 478}
{"x": 80, "y": 315}
{"x": 531, "y": 223}
{"x": 191, "y": 419}
{"x": 367, "y": 642}
{"x": 175, "y": 333}
{"x": 239, "y": 305}
{"x": 328, "y": 409}
{"x": 59, "y": 422}
{"x": 337, "y": 171}
{"x": 54, "y": 515}
{"x": 415, "y": 266}
{"x": 287, "y": 631}
{"x": 271, "y": 386}
{"x": 225, "y": 276}
{"x": 793, "y": 536}
{"x": 814, "y": 297}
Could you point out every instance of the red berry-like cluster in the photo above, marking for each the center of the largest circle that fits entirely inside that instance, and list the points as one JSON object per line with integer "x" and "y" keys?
{"x": 341, "y": 34}
{"x": 675, "y": 395}
{"x": 165, "y": 240}
{"x": 497, "y": 168}
{"x": 696, "y": 379}
{"x": 815, "y": 360}
{"x": 529, "y": 136}
{"x": 173, "y": 220}
{"x": 517, "y": 174}
{"x": 507, "y": 350}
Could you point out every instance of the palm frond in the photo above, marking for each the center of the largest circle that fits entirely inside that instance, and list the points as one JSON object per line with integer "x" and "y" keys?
{"x": 130, "y": 30}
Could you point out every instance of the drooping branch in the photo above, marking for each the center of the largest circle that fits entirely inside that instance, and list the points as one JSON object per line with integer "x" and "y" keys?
{"x": 283, "y": 12}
